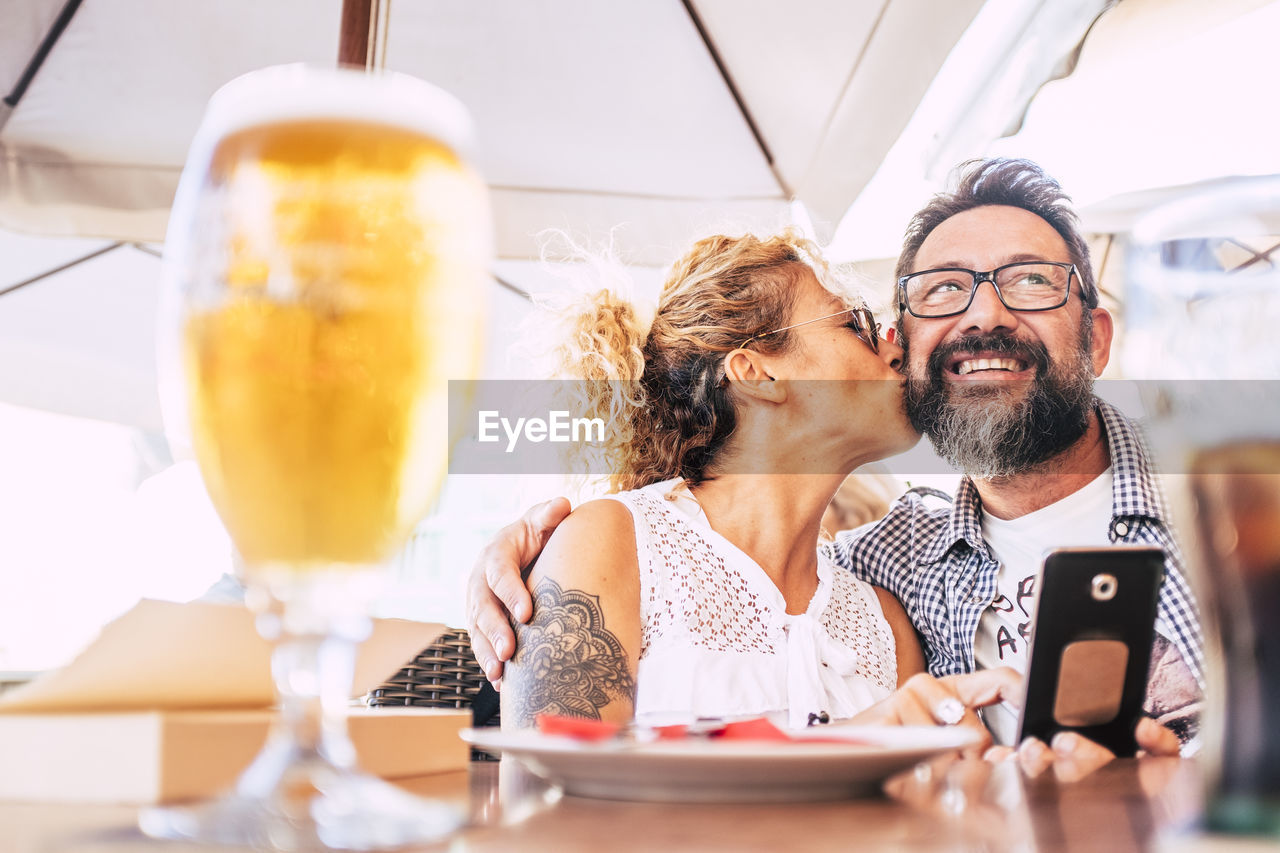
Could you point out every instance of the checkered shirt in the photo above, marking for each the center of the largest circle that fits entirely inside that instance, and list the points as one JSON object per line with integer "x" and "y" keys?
{"x": 934, "y": 559}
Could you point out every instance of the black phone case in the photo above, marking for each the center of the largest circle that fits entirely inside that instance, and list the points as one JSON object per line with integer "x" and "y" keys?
{"x": 1078, "y": 633}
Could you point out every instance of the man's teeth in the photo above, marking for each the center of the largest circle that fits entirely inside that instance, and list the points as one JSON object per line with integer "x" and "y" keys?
{"x": 988, "y": 364}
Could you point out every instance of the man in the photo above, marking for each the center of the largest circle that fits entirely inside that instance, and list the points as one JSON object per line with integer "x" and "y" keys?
{"x": 1000, "y": 378}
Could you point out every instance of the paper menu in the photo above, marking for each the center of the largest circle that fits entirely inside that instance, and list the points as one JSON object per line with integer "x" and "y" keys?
{"x": 162, "y": 655}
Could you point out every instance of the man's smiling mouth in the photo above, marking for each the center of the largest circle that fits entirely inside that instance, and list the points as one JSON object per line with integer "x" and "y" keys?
{"x": 988, "y": 358}
{"x": 965, "y": 366}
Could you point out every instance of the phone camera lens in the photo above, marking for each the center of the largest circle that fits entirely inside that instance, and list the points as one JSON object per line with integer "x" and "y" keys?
{"x": 1104, "y": 587}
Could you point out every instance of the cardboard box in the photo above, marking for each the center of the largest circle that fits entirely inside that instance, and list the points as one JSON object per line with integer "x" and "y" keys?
{"x": 165, "y": 756}
{"x": 172, "y": 701}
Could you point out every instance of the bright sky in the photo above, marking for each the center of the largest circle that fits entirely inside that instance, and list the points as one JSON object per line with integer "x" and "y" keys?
{"x": 1165, "y": 93}
{"x": 81, "y": 540}
{"x": 83, "y": 536}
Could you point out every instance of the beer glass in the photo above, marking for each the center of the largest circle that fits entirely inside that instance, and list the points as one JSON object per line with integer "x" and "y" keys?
{"x": 1203, "y": 335}
{"x": 325, "y": 272}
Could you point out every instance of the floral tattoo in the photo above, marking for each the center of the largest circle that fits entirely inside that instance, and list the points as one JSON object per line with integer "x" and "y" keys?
{"x": 566, "y": 662}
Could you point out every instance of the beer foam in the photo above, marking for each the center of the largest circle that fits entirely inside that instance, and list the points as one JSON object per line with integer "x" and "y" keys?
{"x": 295, "y": 92}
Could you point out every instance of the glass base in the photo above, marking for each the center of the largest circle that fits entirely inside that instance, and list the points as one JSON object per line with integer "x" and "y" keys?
{"x": 317, "y": 807}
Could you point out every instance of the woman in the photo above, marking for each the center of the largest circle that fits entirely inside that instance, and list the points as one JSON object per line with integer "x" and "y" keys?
{"x": 698, "y": 588}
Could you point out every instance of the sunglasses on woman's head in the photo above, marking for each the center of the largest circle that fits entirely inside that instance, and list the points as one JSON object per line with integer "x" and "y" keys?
{"x": 861, "y": 320}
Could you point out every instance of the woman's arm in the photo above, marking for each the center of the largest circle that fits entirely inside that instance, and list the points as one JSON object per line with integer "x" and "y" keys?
{"x": 577, "y": 655}
{"x": 905, "y": 641}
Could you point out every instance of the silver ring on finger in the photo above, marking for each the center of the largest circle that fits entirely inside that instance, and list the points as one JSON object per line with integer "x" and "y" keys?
{"x": 949, "y": 711}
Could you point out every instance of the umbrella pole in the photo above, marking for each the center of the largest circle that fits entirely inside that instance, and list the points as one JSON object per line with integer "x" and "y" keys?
{"x": 61, "y": 268}
{"x": 10, "y": 101}
{"x": 362, "y": 39}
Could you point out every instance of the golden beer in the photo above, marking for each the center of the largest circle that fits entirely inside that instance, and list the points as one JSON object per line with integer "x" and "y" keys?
{"x": 325, "y": 271}
{"x": 318, "y": 367}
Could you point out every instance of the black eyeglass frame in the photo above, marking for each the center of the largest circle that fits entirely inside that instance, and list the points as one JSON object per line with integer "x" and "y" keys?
{"x": 979, "y": 278}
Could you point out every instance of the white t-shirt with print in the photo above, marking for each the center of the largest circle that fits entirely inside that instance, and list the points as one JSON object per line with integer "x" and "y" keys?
{"x": 1082, "y": 518}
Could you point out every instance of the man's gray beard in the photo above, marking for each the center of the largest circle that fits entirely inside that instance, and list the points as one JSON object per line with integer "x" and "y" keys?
{"x": 988, "y": 430}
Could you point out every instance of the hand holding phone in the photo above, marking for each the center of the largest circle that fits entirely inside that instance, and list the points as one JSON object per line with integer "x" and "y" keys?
{"x": 1091, "y": 649}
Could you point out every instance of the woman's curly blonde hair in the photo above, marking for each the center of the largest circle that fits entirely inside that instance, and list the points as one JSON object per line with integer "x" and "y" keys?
{"x": 661, "y": 393}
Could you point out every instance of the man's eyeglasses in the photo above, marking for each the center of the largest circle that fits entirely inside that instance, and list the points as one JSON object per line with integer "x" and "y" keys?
{"x": 861, "y": 320}
{"x": 1024, "y": 286}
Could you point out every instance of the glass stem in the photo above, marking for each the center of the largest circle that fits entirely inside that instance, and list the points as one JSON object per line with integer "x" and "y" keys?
{"x": 316, "y": 623}
{"x": 313, "y": 679}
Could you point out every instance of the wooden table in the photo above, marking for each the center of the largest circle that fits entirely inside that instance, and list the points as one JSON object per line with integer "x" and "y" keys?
{"x": 969, "y": 805}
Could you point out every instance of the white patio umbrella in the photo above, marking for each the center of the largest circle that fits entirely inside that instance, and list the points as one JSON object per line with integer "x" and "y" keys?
{"x": 659, "y": 116}
{"x": 637, "y": 121}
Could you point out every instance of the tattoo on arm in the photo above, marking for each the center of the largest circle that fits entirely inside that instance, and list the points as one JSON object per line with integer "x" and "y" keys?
{"x": 566, "y": 662}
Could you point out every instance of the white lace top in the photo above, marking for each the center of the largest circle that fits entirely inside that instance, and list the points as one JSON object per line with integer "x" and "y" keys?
{"x": 716, "y": 640}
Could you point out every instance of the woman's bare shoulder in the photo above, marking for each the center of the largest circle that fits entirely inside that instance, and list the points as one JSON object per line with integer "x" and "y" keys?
{"x": 595, "y": 544}
{"x": 598, "y": 520}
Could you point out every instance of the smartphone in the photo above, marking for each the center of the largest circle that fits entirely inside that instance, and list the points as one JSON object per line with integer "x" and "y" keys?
{"x": 1091, "y": 646}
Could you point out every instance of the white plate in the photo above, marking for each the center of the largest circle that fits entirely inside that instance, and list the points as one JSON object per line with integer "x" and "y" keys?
{"x": 715, "y": 770}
